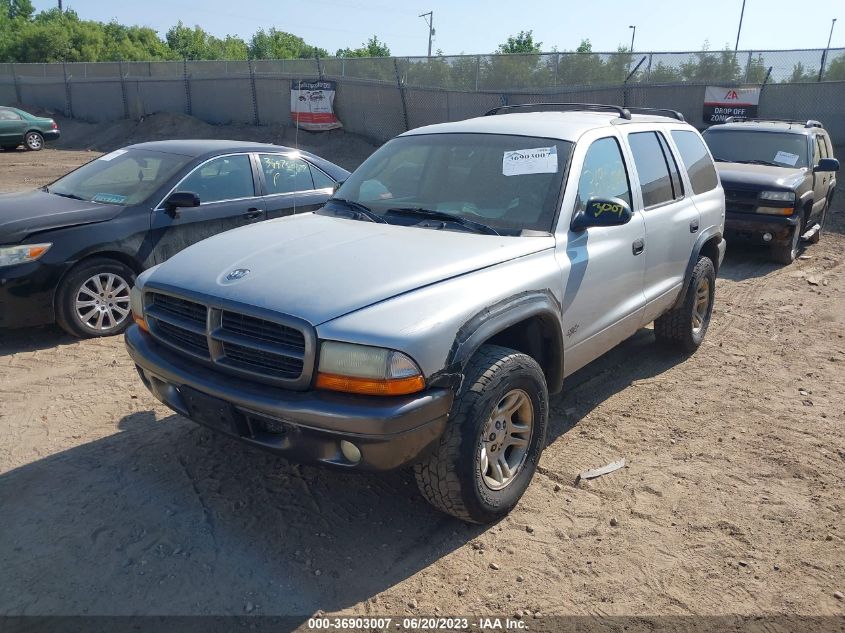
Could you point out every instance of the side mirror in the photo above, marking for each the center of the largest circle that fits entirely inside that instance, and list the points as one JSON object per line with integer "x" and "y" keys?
{"x": 827, "y": 164}
{"x": 180, "y": 200}
{"x": 602, "y": 212}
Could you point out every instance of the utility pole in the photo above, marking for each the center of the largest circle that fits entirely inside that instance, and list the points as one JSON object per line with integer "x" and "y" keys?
{"x": 60, "y": 6}
{"x": 826, "y": 49}
{"x": 739, "y": 30}
{"x": 429, "y": 19}
{"x": 633, "y": 35}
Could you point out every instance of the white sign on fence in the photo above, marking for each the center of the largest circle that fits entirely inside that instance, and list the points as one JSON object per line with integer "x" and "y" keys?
{"x": 312, "y": 105}
{"x": 721, "y": 103}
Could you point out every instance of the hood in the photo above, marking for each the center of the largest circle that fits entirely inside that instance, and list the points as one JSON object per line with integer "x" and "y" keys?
{"x": 22, "y": 214}
{"x": 319, "y": 267}
{"x": 759, "y": 176}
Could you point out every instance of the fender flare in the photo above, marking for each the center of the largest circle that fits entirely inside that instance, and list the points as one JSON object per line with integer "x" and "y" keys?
{"x": 706, "y": 236}
{"x": 496, "y": 318}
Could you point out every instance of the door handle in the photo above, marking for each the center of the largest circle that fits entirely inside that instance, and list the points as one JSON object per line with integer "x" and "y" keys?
{"x": 252, "y": 213}
{"x": 693, "y": 226}
{"x": 638, "y": 246}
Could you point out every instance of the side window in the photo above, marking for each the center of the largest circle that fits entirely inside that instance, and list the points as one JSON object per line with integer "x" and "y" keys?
{"x": 603, "y": 174}
{"x": 828, "y": 146}
{"x": 652, "y": 169}
{"x": 694, "y": 156}
{"x": 224, "y": 178}
{"x": 8, "y": 115}
{"x": 821, "y": 148}
{"x": 674, "y": 173}
{"x": 321, "y": 180}
{"x": 284, "y": 174}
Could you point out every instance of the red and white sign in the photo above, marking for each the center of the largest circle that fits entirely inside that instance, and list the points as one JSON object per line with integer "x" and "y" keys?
{"x": 312, "y": 105}
{"x": 721, "y": 103}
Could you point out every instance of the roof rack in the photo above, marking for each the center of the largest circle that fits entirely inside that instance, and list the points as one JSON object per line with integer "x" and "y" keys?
{"x": 807, "y": 123}
{"x": 561, "y": 107}
{"x": 664, "y": 111}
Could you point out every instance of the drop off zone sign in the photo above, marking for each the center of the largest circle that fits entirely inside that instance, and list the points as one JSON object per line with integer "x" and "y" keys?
{"x": 721, "y": 103}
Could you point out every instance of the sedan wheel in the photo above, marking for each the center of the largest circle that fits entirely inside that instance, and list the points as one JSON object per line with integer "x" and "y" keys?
{"x": 102, "y": 302}
{"x": 34, "y": 141}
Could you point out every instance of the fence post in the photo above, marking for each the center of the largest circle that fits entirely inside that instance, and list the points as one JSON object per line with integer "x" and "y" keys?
{"x": 748, "y": 66}
{"x": 401, "y": 88}
{"x": 477, "y": 70}
{"x": 17, "y": 85}
{"x": 319, "y": 66}
{"x": 188, "y": 106}
{"x": 68, "y": 96}
{"x": 255, "y": 119}
{"x": 648, "y": 70}
{"x": 821, "y": 65}
{"x": 123, "y": 91}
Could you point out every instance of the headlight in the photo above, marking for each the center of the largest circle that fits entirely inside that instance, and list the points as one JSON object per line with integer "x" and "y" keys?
{"x": 779, "y": 196}
{"x": 373, "y": 371}
{"x": 136, "y": 304}
{"x": 11, "y": 255}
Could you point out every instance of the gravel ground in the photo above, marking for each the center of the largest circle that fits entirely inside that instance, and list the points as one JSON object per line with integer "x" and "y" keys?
{"x": 730, "y": 503}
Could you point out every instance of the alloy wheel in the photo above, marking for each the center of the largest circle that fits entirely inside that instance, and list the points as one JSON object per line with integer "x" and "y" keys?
{"x": 102, "y": 302}
{"x": 505, "y": 439}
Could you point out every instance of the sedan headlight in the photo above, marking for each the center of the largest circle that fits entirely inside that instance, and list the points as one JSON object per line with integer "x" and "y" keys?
{"x": 136, "y": 304}
{"x": 11, "y": 255}
{"x": 362, "y": 369}
{"x": 779, "y": 196}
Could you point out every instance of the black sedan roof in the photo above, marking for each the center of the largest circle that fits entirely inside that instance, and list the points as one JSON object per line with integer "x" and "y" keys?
{"x": 204, "y": 148}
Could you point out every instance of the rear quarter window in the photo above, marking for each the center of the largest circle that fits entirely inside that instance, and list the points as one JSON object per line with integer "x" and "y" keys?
{"x": 699, "y": 165}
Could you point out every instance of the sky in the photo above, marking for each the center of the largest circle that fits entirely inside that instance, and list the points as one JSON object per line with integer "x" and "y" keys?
{"x": 479, "y": 27}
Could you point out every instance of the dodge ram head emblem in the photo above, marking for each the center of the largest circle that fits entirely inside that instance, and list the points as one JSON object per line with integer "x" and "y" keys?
{"x": 238, "y": 273}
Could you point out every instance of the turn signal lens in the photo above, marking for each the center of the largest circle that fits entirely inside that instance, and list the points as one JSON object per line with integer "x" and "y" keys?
{"x": 776, "y": 210}
{"x": 367, "y": 370}
{"x": 370, "y": 386}
{"x": 136, "y": 304}
{"x": 141, "y": 323}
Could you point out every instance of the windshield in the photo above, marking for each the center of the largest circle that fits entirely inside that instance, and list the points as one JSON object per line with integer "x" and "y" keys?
{"x": 124, "y": 177}
{"x": 768, "y": 148}
{"x": 509, "y": 183}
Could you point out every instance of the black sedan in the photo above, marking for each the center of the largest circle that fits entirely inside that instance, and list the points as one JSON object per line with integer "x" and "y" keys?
{"x": 69, "y": 252}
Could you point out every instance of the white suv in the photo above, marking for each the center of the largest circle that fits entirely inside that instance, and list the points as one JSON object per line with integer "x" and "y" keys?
{"x": 423, "y": 316}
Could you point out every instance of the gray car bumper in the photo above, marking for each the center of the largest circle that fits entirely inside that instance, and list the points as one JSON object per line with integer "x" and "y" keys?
{"x": 302, "y": 426}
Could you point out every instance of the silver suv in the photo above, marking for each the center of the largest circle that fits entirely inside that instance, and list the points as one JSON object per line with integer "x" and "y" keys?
{"x": 425, "y": 314}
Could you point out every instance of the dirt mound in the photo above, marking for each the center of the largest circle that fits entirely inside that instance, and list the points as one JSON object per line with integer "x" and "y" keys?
{"x": 345, "y": 149}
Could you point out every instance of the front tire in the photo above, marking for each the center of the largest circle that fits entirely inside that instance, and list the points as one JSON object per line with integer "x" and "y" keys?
{"x": 487, "y": 456}
{"x": 686, "y": 325}
{"x": 786, "y": 253}
{"x": 34, "y": 141}
{"x": 93, "y": 300}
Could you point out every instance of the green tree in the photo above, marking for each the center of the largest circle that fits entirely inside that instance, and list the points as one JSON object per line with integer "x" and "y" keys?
{"x": 522, "y": 42}
{"x": 273, "y": 44}
{"x": 372, "y": 48}
{"x": 195, "y": 43}
{"x": 17, "y": 9}
{"x": 835, "y": 69}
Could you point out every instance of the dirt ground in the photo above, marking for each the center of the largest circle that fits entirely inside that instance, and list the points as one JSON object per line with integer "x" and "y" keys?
{"x": 731, "y": 501}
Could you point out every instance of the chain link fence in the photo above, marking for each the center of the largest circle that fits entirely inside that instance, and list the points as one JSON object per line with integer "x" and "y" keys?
{"x": 382, "y": 97}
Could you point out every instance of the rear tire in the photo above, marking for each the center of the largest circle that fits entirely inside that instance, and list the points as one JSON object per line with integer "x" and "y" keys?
{"x": 93, "y": 300}
{"x": 496, "y": 432}
{"x": 34, "y": 141}
{"x": 786, "y": 253}
{"x": 686, "y": 325}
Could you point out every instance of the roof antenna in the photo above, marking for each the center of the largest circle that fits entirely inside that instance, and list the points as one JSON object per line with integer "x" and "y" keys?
{"x": 296, "y": 134}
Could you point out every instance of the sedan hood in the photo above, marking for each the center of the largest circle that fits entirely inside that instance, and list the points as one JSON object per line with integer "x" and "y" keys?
{"x": 320, "y": 267}
{"x": 760, "y": 176}
{"x": 22, "y": 214}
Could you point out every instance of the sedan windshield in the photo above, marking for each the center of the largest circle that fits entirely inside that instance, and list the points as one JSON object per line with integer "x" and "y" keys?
{"x": 488, "y": 182}
{"x": 765, "y": 148}
{"x": 123, "y": 177}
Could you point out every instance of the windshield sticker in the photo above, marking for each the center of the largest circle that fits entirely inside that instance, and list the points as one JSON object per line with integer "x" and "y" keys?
{"x": 113, "y": 155}
{"x": 109, "y": 198}
{"x": 786, "y": 158}
{"x": 541, "y": 160}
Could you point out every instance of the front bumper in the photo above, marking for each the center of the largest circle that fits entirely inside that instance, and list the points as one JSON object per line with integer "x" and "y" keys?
{"x": 301, "y": 426}
{"x": 750, "y": 227}
{"x": 27, "y": 292}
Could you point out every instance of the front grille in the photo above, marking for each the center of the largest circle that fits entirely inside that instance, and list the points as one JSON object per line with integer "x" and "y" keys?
{"x": 263, "y": 330}
{"x": 261, "y": 361}
{"x": 182, "y": 338}
{"x": 272, "y": 350}
{"x": 182, "y": 308}
{"x": 740, "y": 200}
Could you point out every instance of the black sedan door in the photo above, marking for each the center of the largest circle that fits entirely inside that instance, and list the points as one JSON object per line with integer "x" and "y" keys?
{"x": 226, "y": 186}
{"x": 292, "y": 184}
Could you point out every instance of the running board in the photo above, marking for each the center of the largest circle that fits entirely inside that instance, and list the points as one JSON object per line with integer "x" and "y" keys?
{"x": 812, "y": 232}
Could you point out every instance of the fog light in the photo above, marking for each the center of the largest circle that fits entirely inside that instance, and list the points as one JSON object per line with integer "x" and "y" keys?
{"x": 350, "y": 451}
{"x": 767, "y": 237}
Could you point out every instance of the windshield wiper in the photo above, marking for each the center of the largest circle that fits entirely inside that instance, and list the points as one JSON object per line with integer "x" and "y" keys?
{"x": 360, "y": 209}
{"x": 756, "y": 161}
{"x": 478, "y": 227}
{"x": 72, "y": 196}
